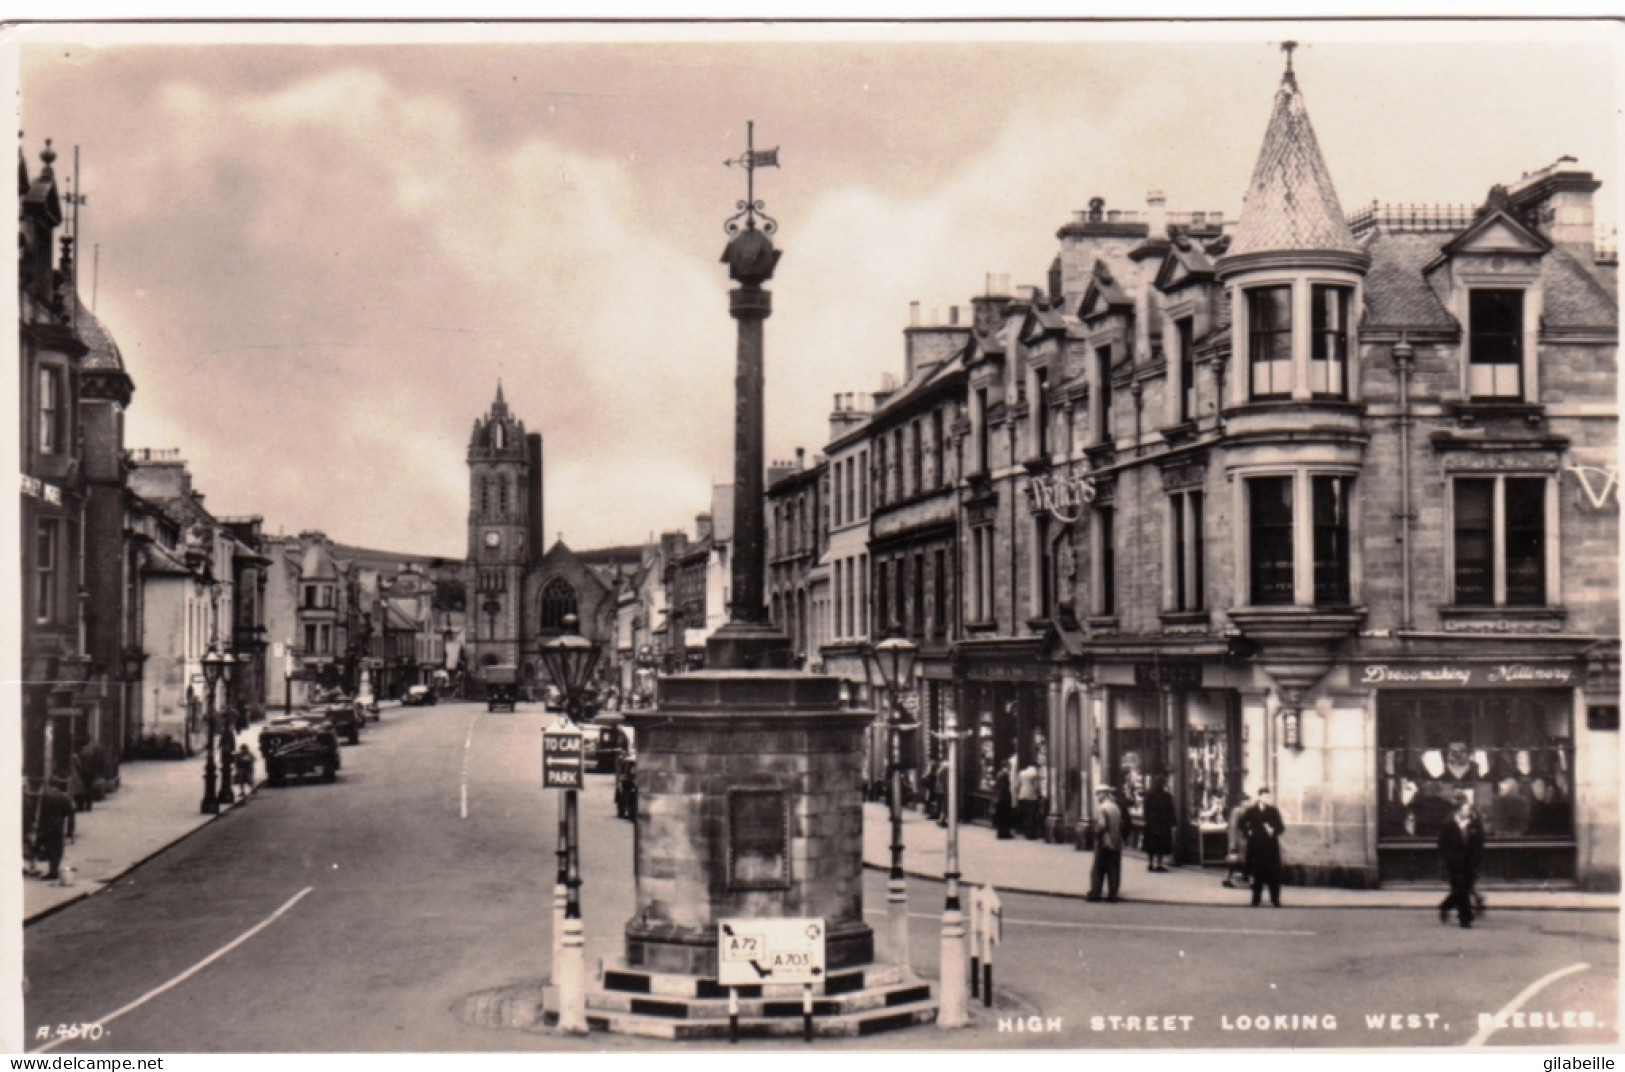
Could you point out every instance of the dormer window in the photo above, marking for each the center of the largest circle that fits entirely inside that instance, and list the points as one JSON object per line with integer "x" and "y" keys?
{"x": 1329, "y": 356}
{"x": 1269, "y": 342}
{"x": 1495, "y": 344}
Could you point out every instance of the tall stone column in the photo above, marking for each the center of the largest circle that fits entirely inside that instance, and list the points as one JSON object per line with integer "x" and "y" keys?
{"x": 748, "y": 642}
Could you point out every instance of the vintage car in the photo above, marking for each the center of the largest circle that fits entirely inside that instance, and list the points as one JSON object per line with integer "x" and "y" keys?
{"x": 367, "y": 702}
{"x": 344, "y": 716}
{"x": 299, "y": 746}
{"x": 501, "y": 688}
{"x": 419, "y": 696}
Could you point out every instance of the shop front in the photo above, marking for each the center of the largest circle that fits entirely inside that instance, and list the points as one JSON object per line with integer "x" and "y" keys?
{"x": 1173, "y": 720}
{"x": 1003, "y": 703}
{"x": 1500, "y": 734}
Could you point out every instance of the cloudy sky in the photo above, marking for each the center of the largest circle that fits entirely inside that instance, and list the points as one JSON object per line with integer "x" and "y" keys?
{"x": 319, "y": 251}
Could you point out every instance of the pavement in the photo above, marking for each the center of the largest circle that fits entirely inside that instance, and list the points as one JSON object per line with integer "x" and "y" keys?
{"x": 156, "y": 806}
{"x": 1023, "y": 866}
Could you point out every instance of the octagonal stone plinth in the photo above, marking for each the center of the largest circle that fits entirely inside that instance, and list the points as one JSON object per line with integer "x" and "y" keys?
{"x": 750, "y": 804}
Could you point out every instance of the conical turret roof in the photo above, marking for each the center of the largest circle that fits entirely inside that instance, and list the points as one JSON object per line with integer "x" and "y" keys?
{"x": 1290, "y": 203}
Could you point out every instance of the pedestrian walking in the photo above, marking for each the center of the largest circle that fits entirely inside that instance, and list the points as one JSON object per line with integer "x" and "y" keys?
{"x": 1262, "y": 827}
{"x": 1004, "y": 808}
{"x": 51, "y": 827}
{"x": 1461, "y": 845}
{"x": 1235, "y": 855}
{"x": 1028, "y": 812}
{"x": 941, "y": 792}
{"x": 244, "y": 763}
{"x": 1107, "y": 872}
{"x": 1159, "y": 819}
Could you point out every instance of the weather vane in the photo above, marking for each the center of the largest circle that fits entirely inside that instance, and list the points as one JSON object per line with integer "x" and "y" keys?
{"x": 750, "y": 208}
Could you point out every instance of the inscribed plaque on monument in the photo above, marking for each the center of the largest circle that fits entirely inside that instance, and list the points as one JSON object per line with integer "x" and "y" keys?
{"x": 758, "y": 839}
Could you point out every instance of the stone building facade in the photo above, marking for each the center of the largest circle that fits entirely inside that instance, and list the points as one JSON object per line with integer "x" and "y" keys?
{"x": 1319, "y": 502}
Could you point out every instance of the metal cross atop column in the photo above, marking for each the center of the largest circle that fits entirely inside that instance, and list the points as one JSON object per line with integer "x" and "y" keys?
{"x": 750, "y": 208}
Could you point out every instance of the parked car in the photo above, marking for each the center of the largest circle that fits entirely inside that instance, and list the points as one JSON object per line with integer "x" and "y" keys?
{"x": 344, "y": 716}
{"x": 419, "y": 696}
{"x": 299, "y": 746}
{"x": 367, "y": 702}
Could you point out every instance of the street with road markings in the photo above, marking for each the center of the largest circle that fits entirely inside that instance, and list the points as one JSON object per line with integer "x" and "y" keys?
{"x": 369, "y": 914}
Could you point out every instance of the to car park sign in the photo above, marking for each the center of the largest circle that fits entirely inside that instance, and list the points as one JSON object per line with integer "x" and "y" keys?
{"x": 754, "y": 951}
{"x": 562, "y": 766}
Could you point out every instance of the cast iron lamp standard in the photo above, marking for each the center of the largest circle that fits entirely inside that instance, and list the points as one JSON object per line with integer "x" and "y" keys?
{"x": 230, "y": 662}
{"x": 214, "y": 665}
{"x": 570, "y": 659}
{"x": 954, "y": 1010}
{"x": 892, "y": 662}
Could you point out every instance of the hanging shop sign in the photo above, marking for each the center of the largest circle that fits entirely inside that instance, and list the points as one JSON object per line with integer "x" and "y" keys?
{"x": 1465, "y": 675}
{"x": 1062, "y": 495}
{"x": 36, "y": 488}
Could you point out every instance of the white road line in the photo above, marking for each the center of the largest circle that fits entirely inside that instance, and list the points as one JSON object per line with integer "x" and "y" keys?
{"x": 193, "y": 970}
{"x": 1069, "y": 925}
{"x": 468, "y": 744}
{"x": 1517, "y": 1003}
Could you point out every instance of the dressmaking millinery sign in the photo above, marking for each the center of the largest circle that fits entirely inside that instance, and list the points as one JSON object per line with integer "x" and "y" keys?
{"x": 1464, "y": 676}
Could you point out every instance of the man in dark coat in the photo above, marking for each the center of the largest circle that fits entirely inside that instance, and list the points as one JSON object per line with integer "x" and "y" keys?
{"x": 55, "y": 810}
{"x": 1262, "y": 827}
{"x": 1461, "y": 844}
{"x": 1004, "y": 806}
{"x": 1160, "y": 818}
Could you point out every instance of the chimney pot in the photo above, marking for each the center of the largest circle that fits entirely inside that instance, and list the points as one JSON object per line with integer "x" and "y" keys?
{"x": 913, "y": 314}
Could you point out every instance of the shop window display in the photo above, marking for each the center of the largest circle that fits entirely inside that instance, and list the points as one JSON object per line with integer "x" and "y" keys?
{"x": 1513, "y": 756}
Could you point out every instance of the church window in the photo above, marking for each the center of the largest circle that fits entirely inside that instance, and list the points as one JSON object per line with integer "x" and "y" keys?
{"x": 558, "y": 601}
{"x": 502, "y": 495}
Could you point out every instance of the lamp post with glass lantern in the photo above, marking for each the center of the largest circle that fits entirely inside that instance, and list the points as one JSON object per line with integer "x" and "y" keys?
{"x": 570, "y": 659}
{"x": 214, "y": 666}
{"x": 891, "y": 662}
{"x": 230, "y": 663}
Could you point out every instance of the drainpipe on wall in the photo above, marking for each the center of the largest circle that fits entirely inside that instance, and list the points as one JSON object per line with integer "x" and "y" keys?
{"x": 1403, "y": 354}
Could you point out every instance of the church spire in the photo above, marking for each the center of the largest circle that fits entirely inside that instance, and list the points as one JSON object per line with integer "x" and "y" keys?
{"x": 499, "y": 407}
{"x": 1291, "y": 204}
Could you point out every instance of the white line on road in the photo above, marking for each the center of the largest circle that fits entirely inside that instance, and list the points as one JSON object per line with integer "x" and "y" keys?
{"x": 1517, "y": 1003}
{"x": 468, "y": 743}
{"x": 1067, "y": 924}
{"x": 193, "y": 970}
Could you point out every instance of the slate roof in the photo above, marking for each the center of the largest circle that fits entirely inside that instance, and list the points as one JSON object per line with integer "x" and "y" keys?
{"x": 1290, "y": 203}
{"x": 1396, "y": 292}
{"x": 102, "y": 354}
{"x": 1574, "y": 297}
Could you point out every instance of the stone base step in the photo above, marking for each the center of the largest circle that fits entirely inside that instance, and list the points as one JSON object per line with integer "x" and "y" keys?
{"x": 755, "y": 1008}
{"x": 616, "y": 978}
{"x": 845, "y": 1025}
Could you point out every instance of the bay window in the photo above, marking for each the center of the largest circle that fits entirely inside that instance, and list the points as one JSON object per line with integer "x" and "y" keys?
{"x": 1269, "y": 342}
{"x": 1329, "y": 352}
{"x": 1187, "y": 370}
{"x": 1289, "y": 563}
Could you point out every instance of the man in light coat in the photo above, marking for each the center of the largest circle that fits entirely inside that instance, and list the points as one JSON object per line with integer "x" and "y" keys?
{"x": 1108, "y": 866}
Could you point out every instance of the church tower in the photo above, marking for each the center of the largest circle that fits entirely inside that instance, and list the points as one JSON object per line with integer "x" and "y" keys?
{"x": 501, "y": 517}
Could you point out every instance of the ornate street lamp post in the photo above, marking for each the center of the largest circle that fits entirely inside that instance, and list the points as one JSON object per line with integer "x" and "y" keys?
{"x": 891, "y": 663}
{"x": 214, "y": 665}
{"x": 954, "y": 1010}
{"x": 230, "y": 663}
{"x": 570, "y": 659}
